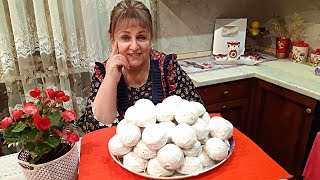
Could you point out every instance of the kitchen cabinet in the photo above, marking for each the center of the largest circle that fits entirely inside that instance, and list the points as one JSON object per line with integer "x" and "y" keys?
{"x": 282, "y": 122}
{"x": 231, "y": 99}
{"x": 277, "y": 119}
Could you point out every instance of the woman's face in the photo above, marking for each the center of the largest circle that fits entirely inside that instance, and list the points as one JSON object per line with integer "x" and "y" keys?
{"x": 134, "y": 42}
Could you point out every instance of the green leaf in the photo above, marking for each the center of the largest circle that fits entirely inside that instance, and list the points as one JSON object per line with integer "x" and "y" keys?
{"x": 39, "y": 150}
{"x": 10, "y": 141}
{"x": 19, "y": 127}
{"x": 11, "y": 137}
{"x": 30, "y": 146}
{"x": 53, "y": 142}
{"x": 39, "y": 105}
{"x": 24, "y": 116}
{"x": 31, "y": 135}
{"x": 55, "y": 118}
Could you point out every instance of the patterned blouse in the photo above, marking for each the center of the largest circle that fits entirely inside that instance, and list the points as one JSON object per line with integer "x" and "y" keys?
{"x": 166, "y": 78}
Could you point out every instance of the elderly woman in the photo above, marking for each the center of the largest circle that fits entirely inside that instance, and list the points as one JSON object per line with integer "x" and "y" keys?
{"x": 133, "y": 70}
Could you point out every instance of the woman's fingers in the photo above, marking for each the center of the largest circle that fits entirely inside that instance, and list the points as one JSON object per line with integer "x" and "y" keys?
{"x": 115, "y": 49}
{"x": 116, "y": 62}
{"x": 120, "y": 60}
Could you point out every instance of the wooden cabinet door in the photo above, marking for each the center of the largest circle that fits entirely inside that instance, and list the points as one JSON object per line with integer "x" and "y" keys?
{"x": 236, "y": 111}
{"x": 283, "y": 120}
{"x": 231, "y": 99}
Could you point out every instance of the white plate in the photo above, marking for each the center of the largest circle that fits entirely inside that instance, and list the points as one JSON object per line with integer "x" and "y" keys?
{"x": 177, "y": 175}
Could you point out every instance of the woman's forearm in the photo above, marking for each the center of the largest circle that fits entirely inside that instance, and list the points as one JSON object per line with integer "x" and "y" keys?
{"x": 105, "y": 101}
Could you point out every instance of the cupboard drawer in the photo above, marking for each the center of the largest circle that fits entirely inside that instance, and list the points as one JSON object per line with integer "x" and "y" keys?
{"x": 235, "y": 111}
{"x": 225, "y": 91}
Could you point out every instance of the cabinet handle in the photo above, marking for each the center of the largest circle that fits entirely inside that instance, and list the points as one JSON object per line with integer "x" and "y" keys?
{"x": 225, "y": 108}
{"x": 308, "y": 111}
{"x": 226, "y": 93}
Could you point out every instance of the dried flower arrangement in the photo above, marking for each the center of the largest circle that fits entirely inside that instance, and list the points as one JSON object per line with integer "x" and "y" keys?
{"x": 295, "y": 27}
{"x": 291, "y": 28}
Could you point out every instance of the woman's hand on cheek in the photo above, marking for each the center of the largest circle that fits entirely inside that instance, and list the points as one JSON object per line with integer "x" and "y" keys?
{"x": 115, "y": 64}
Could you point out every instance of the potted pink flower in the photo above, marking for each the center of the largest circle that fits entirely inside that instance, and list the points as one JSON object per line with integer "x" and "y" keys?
{"x": 46, "y": 134}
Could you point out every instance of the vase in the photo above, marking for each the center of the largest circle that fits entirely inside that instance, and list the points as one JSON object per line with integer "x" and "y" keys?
{"x": 62, "y": 168}
{"x": 282, "y": 47}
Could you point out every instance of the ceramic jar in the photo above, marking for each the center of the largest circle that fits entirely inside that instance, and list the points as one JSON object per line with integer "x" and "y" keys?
{"x": 233, "y": 50}
{"x": 299, "y": 52}
{"x": 315, "y": 57}
{"x": 282, "y": 47}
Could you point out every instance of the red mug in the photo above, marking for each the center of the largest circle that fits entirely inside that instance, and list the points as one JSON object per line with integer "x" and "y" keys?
{"x": 282, "y": 47}
{"x": 233, "y": 50}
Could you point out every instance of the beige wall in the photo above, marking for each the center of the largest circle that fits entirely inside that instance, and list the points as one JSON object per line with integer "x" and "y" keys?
{"x": 187, "y": 25}
{"x": 309, "y": 9}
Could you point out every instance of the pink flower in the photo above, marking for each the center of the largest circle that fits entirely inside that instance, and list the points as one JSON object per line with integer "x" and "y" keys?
{"x": 69, "y": 115}
{"x": 50, "y": 93}
{"x": 35, "y": 93}
{"x": 30, "y": 108}
{"x": 41, "y": 123}
{"x": 72, "y": 137}
{"x": 5, "y": 122}
{"x": 17, "y": 114}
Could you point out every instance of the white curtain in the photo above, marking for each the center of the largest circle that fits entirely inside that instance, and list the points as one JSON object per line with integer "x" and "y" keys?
{"x": 53, "y": 43}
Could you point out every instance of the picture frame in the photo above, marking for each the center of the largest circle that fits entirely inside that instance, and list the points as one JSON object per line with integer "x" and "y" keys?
{"x": 229, "y": 30}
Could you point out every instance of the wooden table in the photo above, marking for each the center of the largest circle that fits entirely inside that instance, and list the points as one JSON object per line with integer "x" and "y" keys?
{"x": 248, "y": 161}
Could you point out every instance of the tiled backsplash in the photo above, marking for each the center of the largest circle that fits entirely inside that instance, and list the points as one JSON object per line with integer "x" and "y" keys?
{"x": 187, "y": 25}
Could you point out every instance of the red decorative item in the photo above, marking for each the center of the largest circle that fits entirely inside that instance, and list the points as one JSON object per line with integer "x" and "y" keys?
{"x": 233, "y": 50}
{"x": 301, "y": 44}
{"x": 315, "y": 57}
{"x": 233, "y": 54}
{"x": 282, "y": 47}
{"x": 219, "y": 55}
{"x": 317, "y": 52}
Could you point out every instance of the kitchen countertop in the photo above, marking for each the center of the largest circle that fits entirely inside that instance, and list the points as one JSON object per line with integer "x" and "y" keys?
{"x": 297, "y": 77}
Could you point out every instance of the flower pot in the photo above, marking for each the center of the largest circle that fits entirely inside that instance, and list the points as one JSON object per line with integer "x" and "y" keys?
{"x": 62, "y": 168}
{"x": 282, "y": 47}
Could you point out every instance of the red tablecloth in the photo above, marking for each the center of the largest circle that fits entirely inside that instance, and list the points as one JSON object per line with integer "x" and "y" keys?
{"x": 248, "y": 161}
{"x": 311, "y": 169}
